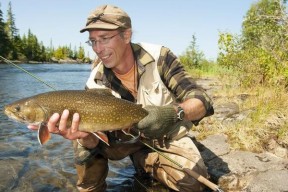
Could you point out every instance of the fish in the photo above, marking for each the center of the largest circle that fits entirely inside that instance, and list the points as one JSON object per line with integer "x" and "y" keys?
{"x": 99, "y": 111}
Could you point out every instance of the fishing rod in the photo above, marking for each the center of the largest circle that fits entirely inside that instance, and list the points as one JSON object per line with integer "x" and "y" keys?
{"x": 192, "y": 173}
{"x": 27, "y": 72}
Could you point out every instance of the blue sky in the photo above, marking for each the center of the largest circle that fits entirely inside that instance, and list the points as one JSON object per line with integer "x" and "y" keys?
{"x": 166, "y": 22}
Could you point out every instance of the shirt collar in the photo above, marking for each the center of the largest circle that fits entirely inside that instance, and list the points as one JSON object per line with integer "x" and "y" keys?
{"x": 109, "y": 79}
{"x": 141, "y": 55}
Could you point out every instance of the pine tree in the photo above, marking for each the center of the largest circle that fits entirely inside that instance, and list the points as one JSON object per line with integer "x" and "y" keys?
{"x": 81, "y": 53}
{"x": 4, "y": 40}
{"x": 11, "y": 29}
{"x": 12, "y": 32}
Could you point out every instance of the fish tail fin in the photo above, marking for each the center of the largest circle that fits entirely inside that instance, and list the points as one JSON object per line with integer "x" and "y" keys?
{"x": 43, "y": 134}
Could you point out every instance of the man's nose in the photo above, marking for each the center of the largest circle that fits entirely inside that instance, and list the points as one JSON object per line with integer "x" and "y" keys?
{"x": 98, "y": 48}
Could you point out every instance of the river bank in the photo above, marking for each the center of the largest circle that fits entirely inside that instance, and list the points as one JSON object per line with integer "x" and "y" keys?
{"x": 52, "y": 61}
{"x": 234, "y": 169}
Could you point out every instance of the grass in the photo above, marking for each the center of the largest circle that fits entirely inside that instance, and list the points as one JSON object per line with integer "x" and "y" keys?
{"x": 265, "y": 109}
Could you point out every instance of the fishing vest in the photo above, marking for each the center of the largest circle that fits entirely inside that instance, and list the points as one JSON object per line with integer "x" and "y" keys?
{"x": 151, "y": 89}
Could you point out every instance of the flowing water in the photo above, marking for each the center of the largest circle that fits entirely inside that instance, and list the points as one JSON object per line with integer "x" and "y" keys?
{"x": 27, "y": 166}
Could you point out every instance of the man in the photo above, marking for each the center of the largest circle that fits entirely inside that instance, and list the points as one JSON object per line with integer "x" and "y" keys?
{"x": 150, "y": 75}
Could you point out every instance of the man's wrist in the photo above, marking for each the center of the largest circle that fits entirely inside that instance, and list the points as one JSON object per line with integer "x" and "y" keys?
{"x": 179, "y": 112}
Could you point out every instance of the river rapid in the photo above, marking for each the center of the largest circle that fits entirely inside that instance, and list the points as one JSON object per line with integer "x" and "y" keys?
{"x": 25, "y": 165}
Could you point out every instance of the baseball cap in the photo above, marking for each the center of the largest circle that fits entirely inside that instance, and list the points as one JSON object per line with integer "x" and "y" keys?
{"x": 107, "y": 17}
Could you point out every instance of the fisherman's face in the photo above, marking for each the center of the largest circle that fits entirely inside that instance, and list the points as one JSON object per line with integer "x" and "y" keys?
{"x": 110, "y": 46}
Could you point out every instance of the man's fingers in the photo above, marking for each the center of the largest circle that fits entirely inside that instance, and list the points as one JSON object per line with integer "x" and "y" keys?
{"x": 63, "y": 121}
{"x": 75, "y": 123}
{"x": 33, "y": 127}
{"x": 52, "y": 123}
{"x": 68, "y": 133}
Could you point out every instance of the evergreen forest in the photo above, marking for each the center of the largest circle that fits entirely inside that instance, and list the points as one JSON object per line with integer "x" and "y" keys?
{"x": 28, "y": 48}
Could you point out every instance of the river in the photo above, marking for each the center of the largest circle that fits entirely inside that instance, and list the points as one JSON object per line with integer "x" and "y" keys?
{"x": 27, "y": 166}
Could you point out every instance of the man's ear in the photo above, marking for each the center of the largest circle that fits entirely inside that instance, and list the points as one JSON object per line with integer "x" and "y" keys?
{"x": 127, "y": 35}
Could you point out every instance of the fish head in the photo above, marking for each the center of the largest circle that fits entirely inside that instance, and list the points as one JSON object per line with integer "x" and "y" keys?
{"x": 26, "y": 111}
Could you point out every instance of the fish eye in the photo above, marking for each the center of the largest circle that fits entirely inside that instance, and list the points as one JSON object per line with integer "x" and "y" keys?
{"x": 17, "y": 108}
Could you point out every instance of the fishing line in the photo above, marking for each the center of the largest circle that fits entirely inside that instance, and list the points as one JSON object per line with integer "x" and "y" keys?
{"x": 142, "y": 185}
{"x": 152, "y": 147}
{"x": 195, "y": 175}
{"x": 192, "y": 173}
{"x": 27, "y": 72}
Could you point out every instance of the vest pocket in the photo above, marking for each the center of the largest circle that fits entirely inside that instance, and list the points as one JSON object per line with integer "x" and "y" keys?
{"x": 157, "y": 95}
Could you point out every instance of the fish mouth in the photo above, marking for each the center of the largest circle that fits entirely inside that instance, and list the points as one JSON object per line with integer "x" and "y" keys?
{"x": 8, "y": 112}
{"x": 13, "y": 116}
{"x": 17, "y": 119}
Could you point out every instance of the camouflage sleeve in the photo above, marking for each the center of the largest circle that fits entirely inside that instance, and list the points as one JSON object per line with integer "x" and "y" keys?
{"x": 179, "y": 82}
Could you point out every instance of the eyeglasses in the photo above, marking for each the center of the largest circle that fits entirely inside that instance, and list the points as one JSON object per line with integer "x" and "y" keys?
{"x": 102, "y": 41}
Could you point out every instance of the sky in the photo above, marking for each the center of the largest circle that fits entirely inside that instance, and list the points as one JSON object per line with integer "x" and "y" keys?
{"x": 166, "y": 22}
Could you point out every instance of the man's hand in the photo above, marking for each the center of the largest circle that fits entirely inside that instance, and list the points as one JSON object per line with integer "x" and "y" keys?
{"x": 158, "y": 122}
{"x": 71, "y": 133}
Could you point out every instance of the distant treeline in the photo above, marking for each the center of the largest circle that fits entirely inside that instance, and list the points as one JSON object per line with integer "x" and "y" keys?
{"x": 28, "y": 48}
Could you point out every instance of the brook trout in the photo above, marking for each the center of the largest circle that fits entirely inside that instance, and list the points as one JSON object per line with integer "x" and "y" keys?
{"x": 99, "y": 110}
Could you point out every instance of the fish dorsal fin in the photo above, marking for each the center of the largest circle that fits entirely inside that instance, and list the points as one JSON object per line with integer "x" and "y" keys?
{"x": 101, "y": 91}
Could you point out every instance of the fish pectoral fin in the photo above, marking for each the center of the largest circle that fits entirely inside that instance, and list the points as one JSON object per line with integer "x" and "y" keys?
{"x": 43, "y": 134}
{"x": 102, "y": 136}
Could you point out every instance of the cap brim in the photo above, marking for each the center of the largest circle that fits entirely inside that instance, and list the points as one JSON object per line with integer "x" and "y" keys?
{"x": 99, "y": 26}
